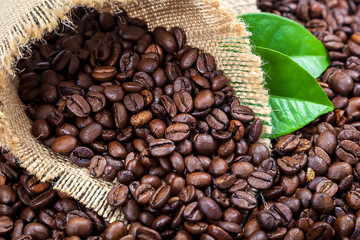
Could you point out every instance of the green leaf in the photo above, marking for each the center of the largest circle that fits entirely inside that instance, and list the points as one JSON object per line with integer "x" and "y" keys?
{"x": 290, "y": 38}
{"x": 295, "y": 96}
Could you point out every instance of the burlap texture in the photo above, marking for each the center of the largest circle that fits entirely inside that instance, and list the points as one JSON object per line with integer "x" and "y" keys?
{"x": 207, "y": 27}
{"x": 240, "y": 7}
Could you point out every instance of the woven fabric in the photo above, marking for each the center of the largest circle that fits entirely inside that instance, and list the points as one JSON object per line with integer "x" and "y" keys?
{"x": 240, "y": 7}
{"x": 207, "y": 27}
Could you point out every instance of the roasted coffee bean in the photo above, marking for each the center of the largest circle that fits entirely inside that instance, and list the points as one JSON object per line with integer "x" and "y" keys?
{"x": 322, "y": 203}
{"x": 67, "y": 129}
{"x": 117, "y": 196}
{"x": 143, "y": 193}
{"x": 104, "y": 73}
{"x": 166, "y": 41}
{"x": 90, "y": 133}
{"x": 242, "y": 113}
{"x": 77, "y": 105}
{"x": 322, "y": 229}
{"x": 205, "y": 144}
{"x": 64, "y": 144}
{"x": 269, "y": 220}
{"x": 177, "y": 132}
{"x": 209, "y": 208}
{"x": 243, "y": 200}
{"x": 198, "y": 179}
{"x": 114, "y": 230}
{"x": 205, "y": 63}
{"x": 160, "y": 197}
{"x": 327, "y": 141}
{"x": 288, "y": 143}
{"x": 192, "y": 212}
{"x": 140, "y": 119}
{"x": 81, "y": 156}
{"x": 217, "y": 119}
{"x": 162, "y": 147}
{"x": 41, "y": 129}
{"x": 327, "y": 186}
{"x": 189, "y": 57}
{"x": 43, "y": 200}
{"x": 352, "y": 199}
{"x": 348, "y": 151}
{"x": 183, "y": 101}
{"x": 289, "y": 165}
{"x": 134, "y": 102}
{"x": 260, "y": 180}
{"x": 97, "y": 166}
{"x": 204, "y": 100}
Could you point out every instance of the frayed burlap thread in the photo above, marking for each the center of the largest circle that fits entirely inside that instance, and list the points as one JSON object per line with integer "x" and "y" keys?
{"x": 207, "y": 26}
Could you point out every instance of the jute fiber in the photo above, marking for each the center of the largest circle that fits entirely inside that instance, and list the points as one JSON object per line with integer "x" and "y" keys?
{"x": 240, "y": 7}
{"x": 207, "y": 27}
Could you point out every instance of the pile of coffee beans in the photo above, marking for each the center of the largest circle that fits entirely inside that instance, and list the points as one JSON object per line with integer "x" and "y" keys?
{"x": 146, "y": 110}
{"x": 318, "y": 167}
{"x": 32, "y": 210}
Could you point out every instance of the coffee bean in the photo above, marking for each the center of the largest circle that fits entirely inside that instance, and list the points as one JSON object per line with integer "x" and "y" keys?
{"x": 338, "y": 171}
{"x": 320, "y": 229}
{"x": 327, "y": 186}
{"x": 348, "y": 151}
{"x": 205, "y": 63}
{"x": 322, "y": 203}
{"x": 143, "y": 193}
{"x": 64, "y": 144}
{"x": 255, "y": 130}
{"x": 37, "y": 230}
{"x": 114, "y": 230}
{"x": 198, "y": 179}
{"x": 104, "y": 73}
{"x": 141, "y": 118}
{"x": 166, "y": 41}
{"x": 289, "y": 165}
{"x": 134, "y": 102}
{"x": 209, "y": 208}
{"x": 189, "y": 58}
{"x": 327, "y": 141}
{"x": 203, "y": 100}
{"x": 288, "y": 143}
{"x": 90, "y": 133}
{"x": 160, "y": 196}
{"x": 218, "y": 167}
{"x": 269, "y": 220}
{"x": 117, "y": 196}
{"x": 242, "y": 113}
{"x": 260, "y": 180}
{"x": 81, "y": 156}
{"x": 201, "y": 81}
{"x": 78, "y": 106}
{"x": 78, "y": 226}
{"x": 218, "y": 232}
{"x": 97, "y": 166}
{"x": 352, "y": 198}
{"x": 162, "y": 147}
{"x": 177, "y": 132}
{"x": 205, "y": 144}
{"x": 183, "y": 101}
{"x": 41, "y": 129}
{"x": 243, "y": 200}
{"x": 217, "y": 119}
{"x": 147, "y": 233}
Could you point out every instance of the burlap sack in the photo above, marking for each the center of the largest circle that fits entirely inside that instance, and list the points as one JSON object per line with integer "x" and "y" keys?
{"x": 207, "y": 27}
